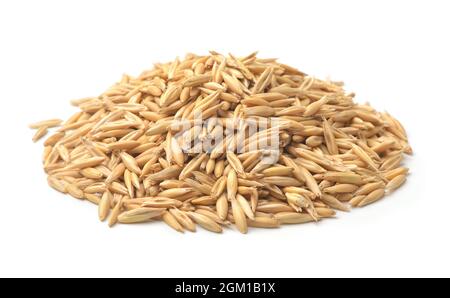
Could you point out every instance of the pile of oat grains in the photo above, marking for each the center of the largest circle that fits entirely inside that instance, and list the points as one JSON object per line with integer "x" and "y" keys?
{"x": 220, "y": 140}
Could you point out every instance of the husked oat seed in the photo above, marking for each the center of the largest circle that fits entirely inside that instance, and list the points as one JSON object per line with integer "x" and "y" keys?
{"x": 219, "y": 140}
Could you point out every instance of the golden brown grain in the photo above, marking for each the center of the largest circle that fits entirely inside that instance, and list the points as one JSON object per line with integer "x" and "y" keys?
{"x": 205, "y": 222}
{"x": 172, "y": 222}
{"x": 372, "y": 197}
{"x": 183, "y": 219}
{"x": 40, "y": 133}
{"x": 104, "y": 206}
{"x": 222, "y": 207}
{"x": 263, "y": 222}
{"x": 395, "y": 183}
{"x": 293, "y": 218}
{"x": 239, "y": 216}
{"x": 113, "y": 218}
{"x": 46, "y": 123}
{"x": 141, "y": 214}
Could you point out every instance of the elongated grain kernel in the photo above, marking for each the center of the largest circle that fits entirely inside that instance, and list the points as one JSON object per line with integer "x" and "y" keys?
{"x": 172, "y": 222}
{"x": 372, "y": 197}
{"x": 104, "y": 206}
{"x": 263, "y": 222}
{"x": 205, "y": 222}
{"x": 239, "y": 216}
{"x": 293, "y": 218}
{"x": 395, "y": 183}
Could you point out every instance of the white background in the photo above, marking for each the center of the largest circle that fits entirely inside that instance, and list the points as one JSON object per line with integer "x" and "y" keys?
{"x": 393, "y": 54}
